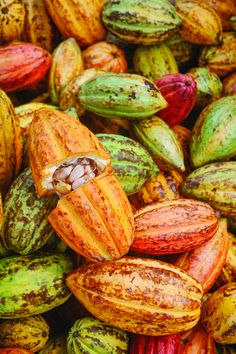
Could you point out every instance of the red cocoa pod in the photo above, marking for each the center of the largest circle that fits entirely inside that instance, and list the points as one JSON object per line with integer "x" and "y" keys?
{"x": 173, "y": 226}
{"x": 180, "y": 91}
{"x": 22, "y": 65}
{"x": 141, "y": 344}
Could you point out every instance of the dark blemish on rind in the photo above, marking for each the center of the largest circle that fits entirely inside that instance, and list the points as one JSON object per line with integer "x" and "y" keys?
{"x": 150, "y": 85}
{"x": 76, "y": 334}
{"x": 132, "y": 96}
{"x": 192, "y": 184}
{"x": 4, "y": 10}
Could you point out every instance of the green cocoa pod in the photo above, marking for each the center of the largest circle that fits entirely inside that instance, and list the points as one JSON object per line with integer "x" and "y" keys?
{"x": 122, "y": 96}
{"x": 161, "y": 141}
{"x": 214, "y": 184}
{"x": 209, "y": 86}
{"x": 29, "y": 333}
{"x": 69, "y": 96}
{"x": 90, "y": 335}
{"x": 154, "y": 61}
{"x": 33, "y": 284}
{"x": 214, "y": 133}
{"x": 132, "y": 163}
{"x": 55, "y": 345}
{"x": 67, "y": 63}
{"x": 141, "y": 22}
{"x": 25, "y": 225}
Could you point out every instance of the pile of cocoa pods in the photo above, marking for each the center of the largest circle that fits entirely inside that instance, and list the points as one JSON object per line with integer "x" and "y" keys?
{"x": 117, "y": 176}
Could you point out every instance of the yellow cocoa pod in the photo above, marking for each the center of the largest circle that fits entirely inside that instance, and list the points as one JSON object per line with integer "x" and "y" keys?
{"x": 12, "y": 16}
{"x": 201, "y": 24}
{"x": 67, "y": 63}
{"x": 10, "y": 143}
{"x": 161, "y": 188}
{"x": 39, "y": 28}
{"x": 219, "y": 315}
{"x": 30, "y": 333}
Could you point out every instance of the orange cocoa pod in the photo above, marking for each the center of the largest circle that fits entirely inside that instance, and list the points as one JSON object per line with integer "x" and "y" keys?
{"x": 59, "y": 143}
{"x": 80, "y": 19}
{"x": 205, "y": 262}
{"x": 225, "y": 9}
{"x": 197, "y": 341}
{"x": 201, "y": 24}
{"x": 105, "y": 56}
{"x": 22, "y": 65}
{"x": 39, "y": 28}
{"x": 11, "y": 144}
{"x": 95, "y": 220}
{"x": 172, "y": 227}
{"x": 140, "y": 295}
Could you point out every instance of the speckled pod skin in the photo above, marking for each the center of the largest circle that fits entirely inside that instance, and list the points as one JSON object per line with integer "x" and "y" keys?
{"x": 67, "y": 63}
{"x": 121, "y": 96}
{"x": 215, "y": 184}
{"x": 141, "y": 23}
{"x": 182, "y": 50}
{"x": 214, "y": 133}
{"x": 39, "y": 28}
{"x": 38, "y": 284}
{"x": 96, "y": 219}
{"x": 80, "y": 19}
{"x": 69, "y": 96}
{"x": 196, "y": 341}
{"x": 205, "y": 262}
{"x": 30, "y": 332}
{"x": 220, "y": 59}
{"x": 218, "y": 314}
{"x": 131, "y": 162}
{"x": 165, "y": 186}
{"x": 55, "y": 137}
{"x": 26, "y": 228}
{"x": 138, "y": 295}
{"x": 154, "y": 61}
{"x": 162, "y": 143}
{"x": 228, "y": 272}
{"x": 11, "y": 144}
{"x": 209, "y": 86}
{"x": 13, "y": 75}
{"x": 12, "y": 16}
{"x": 172, "y": 227}
{"x": 89, "y": 335}
{"x": 201, "y": 24}
{"x": 225, "y": 9}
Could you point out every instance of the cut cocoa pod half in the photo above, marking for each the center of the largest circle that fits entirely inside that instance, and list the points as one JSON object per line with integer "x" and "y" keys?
{"x": 64, "y": 154}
